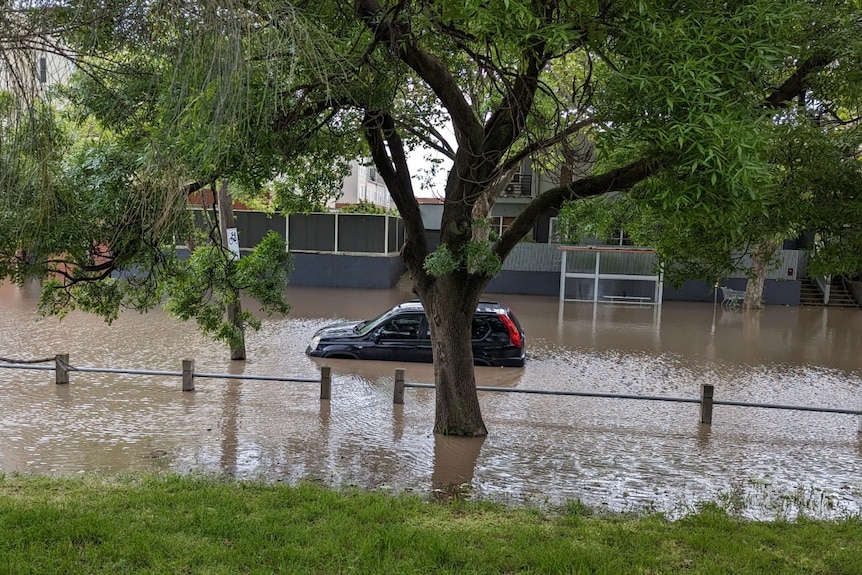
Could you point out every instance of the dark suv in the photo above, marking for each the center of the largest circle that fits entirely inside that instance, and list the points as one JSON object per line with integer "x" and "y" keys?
{"x": 402, "y": 334}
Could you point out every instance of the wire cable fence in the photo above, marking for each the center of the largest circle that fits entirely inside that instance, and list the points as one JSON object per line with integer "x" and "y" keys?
{"x": 707, "y": 400}
{"x": 62, "y": 368}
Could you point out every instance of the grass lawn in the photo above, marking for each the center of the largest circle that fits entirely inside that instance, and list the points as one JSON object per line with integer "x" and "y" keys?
{"x": 178, "y": 524}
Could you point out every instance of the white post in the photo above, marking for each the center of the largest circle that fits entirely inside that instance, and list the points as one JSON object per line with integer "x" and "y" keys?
{"x": 827, "y": 288}
{"x": 659, "y": 288}
{"x": 596, "y": 284}
{"x": 386, "y": 235}
{"x": 563, "y": 275}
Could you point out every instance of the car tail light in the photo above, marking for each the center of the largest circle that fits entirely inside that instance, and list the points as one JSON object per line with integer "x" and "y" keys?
{"x": 514, "y": 334}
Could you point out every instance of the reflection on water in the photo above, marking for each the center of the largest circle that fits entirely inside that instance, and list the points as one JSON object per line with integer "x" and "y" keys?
{"x": 454, "y": 464}
{"x": 623, "y": 455}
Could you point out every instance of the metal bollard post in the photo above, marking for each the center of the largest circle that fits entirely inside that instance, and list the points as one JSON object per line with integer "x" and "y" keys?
{"x": 325, "y": 382}
{"x": 61, "y": 371}
{"x": 706, "y": 395}
{"x": 398, "y": 394}
{"x": 188, "y": 375}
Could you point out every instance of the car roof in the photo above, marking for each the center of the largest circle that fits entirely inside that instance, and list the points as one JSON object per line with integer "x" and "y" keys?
{"x": 483, "y": 306}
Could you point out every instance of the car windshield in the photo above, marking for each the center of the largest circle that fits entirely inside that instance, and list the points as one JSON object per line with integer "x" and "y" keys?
{"x": 364, "y": 327}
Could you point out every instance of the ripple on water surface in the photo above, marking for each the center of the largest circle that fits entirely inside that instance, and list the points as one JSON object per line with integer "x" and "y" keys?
{"x": 543, "y": 449}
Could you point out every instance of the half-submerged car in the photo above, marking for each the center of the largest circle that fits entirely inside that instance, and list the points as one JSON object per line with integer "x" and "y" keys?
{"x": 402, "y": 334}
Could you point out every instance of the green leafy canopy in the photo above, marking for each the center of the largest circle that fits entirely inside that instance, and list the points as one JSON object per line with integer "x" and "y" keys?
{"x": 203, "y": 286}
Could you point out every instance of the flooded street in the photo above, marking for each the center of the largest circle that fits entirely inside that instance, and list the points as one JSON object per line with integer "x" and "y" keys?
{"x": 621, "y": 455}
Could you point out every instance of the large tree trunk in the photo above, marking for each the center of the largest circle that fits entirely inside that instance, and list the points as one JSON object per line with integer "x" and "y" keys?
{"x": 225, "y": 210}
{"x": 449, "y": 304}
{"x": 761, "y": 258}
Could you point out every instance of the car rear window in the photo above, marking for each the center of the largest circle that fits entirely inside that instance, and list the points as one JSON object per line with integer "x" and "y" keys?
{"x": 480, "y": 328}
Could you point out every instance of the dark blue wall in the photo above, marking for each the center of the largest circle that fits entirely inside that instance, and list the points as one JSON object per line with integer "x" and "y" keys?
{"x": 529, "y": 283}
{"x": 775, "y": 292}
{"x": 334, "y": 270}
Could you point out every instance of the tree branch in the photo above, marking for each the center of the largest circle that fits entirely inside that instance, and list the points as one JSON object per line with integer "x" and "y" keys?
{"x": 387, "y": 151}
{"x": 797, "y": 83}
{"x": 537, "y": 146}
{"x": 508, "y": 120}
{"x": 620, "y": 179}
{"x": 468, "y": 129}
{"x": 439, "y": 144}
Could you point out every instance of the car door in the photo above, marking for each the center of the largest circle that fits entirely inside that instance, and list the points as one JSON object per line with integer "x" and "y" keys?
{"x": 423, "y": 348}
{"x": 396, "y": 339}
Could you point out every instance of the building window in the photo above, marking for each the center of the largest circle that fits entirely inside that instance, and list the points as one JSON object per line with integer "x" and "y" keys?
{"x": 620, "y": 238}
{"x": 496, "y": 225}
{"x": 554, "y": 231}
{"x": 43, "y": 69}
{"x": 372, "y": 174}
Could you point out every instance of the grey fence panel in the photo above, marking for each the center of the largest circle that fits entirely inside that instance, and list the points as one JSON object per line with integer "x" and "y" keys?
{"x": 802, "y": 263}
{"x": 396, "y": 235}
{"x": 529, "y": 257}
{"x": 355, "y": 233}
{"x": 253, "y": 226}
{"x": 547, "y": 258}
{"x": 626, "y": 263}
{"x": 786, "y": 264}
{"x": 362, "y": 233}
{"x": 580, "y": 262}
{"x": 312, "y": 232}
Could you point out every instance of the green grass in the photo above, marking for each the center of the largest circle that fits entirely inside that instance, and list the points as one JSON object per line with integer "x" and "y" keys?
{"x": 178, "y": 524}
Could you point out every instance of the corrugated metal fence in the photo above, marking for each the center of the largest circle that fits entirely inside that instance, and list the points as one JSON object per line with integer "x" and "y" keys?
{"x": 330, "y": 232}
{"x": 788, "y": 264}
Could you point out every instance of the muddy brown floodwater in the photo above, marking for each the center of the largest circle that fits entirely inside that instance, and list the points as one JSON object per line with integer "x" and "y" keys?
{"x": 622, "y": 455}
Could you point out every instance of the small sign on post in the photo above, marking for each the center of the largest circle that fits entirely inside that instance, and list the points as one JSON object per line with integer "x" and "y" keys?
{"x": 233, "y": 242}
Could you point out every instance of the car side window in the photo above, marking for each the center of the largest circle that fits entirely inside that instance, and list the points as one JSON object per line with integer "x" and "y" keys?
{"x": 403, "y": 327}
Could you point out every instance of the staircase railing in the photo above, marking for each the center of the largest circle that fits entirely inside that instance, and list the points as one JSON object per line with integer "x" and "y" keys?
{"x": 848, "y": 289}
